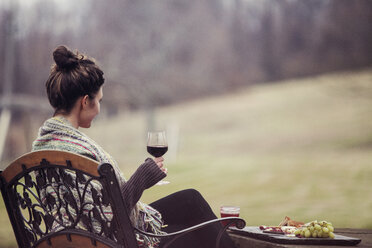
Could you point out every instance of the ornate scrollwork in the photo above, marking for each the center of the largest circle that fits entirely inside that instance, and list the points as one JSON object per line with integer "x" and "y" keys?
{"x": 54, "y": 198}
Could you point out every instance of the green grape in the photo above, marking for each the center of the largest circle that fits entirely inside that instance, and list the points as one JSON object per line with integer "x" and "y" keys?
{"x": 317, "y": 227}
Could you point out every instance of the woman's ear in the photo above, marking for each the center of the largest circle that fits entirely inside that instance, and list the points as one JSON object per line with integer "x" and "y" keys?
{"x": 84, "y": 101}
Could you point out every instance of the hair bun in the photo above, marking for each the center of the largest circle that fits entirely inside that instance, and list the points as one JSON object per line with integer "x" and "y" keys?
{"x": 64, "y": 58}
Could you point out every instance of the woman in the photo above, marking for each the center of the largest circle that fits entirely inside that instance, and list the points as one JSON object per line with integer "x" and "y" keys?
{"x": 75, "y": 90}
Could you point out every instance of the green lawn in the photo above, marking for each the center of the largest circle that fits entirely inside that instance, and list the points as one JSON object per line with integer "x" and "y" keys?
{"x": 301, "y": 148}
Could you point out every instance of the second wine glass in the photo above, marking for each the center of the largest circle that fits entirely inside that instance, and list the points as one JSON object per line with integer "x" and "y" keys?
{"x": 157, "y": 146}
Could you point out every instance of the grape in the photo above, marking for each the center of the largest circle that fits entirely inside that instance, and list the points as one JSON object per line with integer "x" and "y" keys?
{"x": 309, "y": 224}
{"x": 316, "y": 229}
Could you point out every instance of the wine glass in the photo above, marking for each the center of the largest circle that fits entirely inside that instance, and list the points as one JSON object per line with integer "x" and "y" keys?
{"x": 157, "y": 146}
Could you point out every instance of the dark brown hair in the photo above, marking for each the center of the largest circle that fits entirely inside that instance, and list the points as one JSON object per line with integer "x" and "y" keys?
{"x": 73, "y": 75}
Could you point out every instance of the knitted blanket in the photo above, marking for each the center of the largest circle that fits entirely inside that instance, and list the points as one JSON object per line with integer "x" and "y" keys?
{"x": 58, "y": 134}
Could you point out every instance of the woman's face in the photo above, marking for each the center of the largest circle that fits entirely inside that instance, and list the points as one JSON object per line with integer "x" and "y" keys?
{"x": 91, "y": 109}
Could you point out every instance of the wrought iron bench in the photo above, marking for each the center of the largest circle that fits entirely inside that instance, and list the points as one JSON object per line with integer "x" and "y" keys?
{"x": 57, "y": 199}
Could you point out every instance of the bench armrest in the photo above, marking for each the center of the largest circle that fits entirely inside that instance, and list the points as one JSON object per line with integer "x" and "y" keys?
{"x": 240, "y": 223}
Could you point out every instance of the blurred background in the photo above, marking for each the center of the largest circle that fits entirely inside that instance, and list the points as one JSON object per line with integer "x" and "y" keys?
{"x": 267, "y": 104}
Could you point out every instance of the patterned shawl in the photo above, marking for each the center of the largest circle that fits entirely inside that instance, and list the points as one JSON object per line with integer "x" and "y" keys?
{"x": 58, "y": 134}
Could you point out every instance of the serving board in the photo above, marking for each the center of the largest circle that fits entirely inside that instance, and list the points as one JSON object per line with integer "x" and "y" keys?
{"x": 255, "y": 232}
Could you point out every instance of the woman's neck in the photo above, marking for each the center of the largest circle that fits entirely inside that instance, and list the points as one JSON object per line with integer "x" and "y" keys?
{"x": 70, "y": 118}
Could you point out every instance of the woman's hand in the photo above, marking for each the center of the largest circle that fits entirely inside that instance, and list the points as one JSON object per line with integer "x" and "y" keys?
{"x": 159, "y": 163}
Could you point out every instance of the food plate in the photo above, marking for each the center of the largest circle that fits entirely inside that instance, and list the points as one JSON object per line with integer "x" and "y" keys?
{"x": 257, "y": 233}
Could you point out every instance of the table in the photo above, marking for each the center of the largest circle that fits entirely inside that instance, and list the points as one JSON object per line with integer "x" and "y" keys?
{"x": 364, "y": 234}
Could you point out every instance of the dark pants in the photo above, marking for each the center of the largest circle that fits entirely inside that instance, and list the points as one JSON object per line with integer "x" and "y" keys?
{"x": 187, "y": 208}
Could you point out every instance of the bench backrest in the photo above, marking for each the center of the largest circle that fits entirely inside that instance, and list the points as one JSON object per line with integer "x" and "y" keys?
{"x": 61, "y": 199}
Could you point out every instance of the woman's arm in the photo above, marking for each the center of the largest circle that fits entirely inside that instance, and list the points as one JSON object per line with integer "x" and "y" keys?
{"x": 147, "y": 175}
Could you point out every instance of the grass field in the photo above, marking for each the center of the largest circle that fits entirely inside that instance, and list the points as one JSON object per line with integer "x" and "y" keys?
{"x": 301, "y": 148}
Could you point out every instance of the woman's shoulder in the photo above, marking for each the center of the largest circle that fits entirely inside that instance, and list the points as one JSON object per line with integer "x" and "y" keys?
{"x": 57, "y": 134}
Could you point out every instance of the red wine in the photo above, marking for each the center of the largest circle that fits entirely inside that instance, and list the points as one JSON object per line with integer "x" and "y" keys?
{"x": 157, "y": 151}
{"x": 223, "y": 215}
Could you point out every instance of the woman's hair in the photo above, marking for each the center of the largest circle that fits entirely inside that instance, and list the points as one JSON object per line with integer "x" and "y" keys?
{"x": 73, "y": 75}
